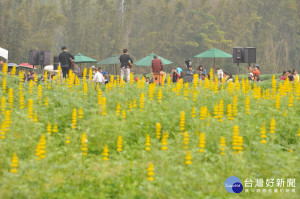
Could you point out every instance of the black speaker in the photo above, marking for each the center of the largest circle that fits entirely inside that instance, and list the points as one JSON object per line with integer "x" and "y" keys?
{"x": 39, "y": 57}
{"x": 44, "y": 57}
{"x": 238, "y": 55}
{"x": 34, "y": 57}
{"x": 55, "y": 62}
{"x": 250, "y": 55}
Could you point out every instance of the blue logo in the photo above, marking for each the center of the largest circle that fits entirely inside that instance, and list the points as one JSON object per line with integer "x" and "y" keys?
{"x": 233, "y": 185}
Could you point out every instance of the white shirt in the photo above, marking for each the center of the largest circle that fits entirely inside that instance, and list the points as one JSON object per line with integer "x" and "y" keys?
{"x": 220, "y": 73}
{"x": 99, "y": 78}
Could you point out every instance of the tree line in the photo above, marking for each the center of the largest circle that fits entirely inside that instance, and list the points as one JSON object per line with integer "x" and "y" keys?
{"x": 174, "y": 29}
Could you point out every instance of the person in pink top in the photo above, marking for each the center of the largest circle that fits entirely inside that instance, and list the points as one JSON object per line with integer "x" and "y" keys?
{"x": 283, "y": 76}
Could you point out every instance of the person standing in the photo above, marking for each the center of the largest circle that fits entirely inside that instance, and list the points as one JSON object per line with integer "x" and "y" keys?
{"x": 157, "y": 69}
{"x": 1, "y": 65}
{"x": 125, "y": 65}
{"x": 65, "y": 60}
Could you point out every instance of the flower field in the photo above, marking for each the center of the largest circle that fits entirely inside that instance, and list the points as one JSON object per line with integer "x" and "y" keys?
{"x": 61, "y": 139}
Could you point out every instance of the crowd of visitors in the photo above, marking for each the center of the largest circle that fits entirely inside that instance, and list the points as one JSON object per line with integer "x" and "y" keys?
{"x": 292, "y": 76}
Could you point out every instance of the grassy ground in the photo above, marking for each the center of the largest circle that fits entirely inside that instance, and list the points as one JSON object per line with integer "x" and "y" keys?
{"x": 65, "y": 173}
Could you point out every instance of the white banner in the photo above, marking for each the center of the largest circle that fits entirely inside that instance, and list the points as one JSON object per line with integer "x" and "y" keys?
{"x": 3, "y": 53}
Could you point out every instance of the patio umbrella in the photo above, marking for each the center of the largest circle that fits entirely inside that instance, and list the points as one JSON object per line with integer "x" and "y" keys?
{"x": 147, "y": 61}
{"x": 80, "y": 58}
{"x": 214, "y": 53}
{"x": 111, "y": 61}
{"x": 12, "y": 64}
{"x": 26, "y": 65}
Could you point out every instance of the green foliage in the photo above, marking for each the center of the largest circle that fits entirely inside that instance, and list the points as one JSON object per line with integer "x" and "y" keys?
{"x": 174, "y": 29}
{"x": 65, "y": 173}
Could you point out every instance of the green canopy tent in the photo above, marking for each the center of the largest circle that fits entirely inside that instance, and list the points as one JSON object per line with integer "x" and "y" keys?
{"x": 114, "y": 60}
{"x": 214, "y": 53}
{"x": 147, "y": 61}
{"x": 80, "y": 58}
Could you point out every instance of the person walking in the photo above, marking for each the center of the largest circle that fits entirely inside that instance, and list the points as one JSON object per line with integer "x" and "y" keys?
{"x": 126, "y": 63}
{"x": 65, "y": 60}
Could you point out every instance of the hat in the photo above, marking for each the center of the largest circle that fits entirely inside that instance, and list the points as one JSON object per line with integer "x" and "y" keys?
{"x": 93, "y": 67}
{"x": 104, "y": 73}
{"x": 257, "y": 66}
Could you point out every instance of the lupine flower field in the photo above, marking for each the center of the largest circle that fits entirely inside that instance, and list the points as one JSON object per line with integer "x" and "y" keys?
{"x": 75, "y": 139}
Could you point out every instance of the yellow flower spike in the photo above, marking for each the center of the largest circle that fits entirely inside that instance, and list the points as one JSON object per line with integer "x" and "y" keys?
{"x": 80, "y": 113}
{"x": 30, "y": 108}
{"x": 21, "y": 76}
{"x": 142, "y": 101}
{"x": 229, "y": 112}
{"x": 221, "y": 110}
{"x": 182, "y": 121}
{"x": 118, "y": 109}
{"x": 35, "y": 119}
{"x": 203, "y": 112}
{"x": 40, "y": 150}
{"x": 11, "y": 98}
{"x": 277, "y": 102}
{"x": 55, "y": 128}
{"x": 186, "y": 140}
{"x": 68, "y": 140}
{"x": 272, "y": 126}
{"x": 237, "y": 141}
{"x": 74, "y": 119}
{"x": 216, "y": 87}
{"x": 274, "y": 86}
{"x": 263, "y": 135}
{"x": 105, "y": 153}
{"x": 247, "y": 105}
{"x": 120, "y": 144}
{"x": 291, "y": 100}
{"x": 216, "y": 111}
{"x": 202, "y": 143}
{"x": 91, "y": 74}
{"x": 3, "y": 104}
{"x": 84, "y": 145}
{"x": 100, "y": 101}
{"x": 158, "y": 130}
{"x": 21, "y": 101}
{"x": 123, "y": 115}
{"x": 46, "y": 103}
{"x": 148, "y": 143}
{"x": 85, "y": 89}
{"x": 150, "y": 172}
{"x": 222, "y": 145}
{"x": 164, "y": 141}
{"x": 104, "y": 106}
{"x": 188, "y": 158}
{"x": 30, "y": 86}
{"x": 193, "y": 112}
{"x": 49, "y": 128}
{"x": 159, "y": 95}
{"x": 4, "y": 69}
{"x": 14, "y": 164}
{"x": 4, "y": 85}
{"x": 235, "y": 106}
{"x": 285, "y": 113}
{"x": 299, "y": 132}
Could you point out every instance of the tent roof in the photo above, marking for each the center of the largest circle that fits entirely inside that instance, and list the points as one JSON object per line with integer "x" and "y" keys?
{"x": 147, "y": 61}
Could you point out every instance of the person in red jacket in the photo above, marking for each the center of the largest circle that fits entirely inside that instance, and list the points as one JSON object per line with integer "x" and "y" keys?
{"x": 255, "y": 72}
{"x": 157, "y": 69}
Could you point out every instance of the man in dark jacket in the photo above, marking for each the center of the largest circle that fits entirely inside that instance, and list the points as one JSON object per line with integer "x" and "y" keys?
{"x": 65, "y": 59}
{"x": 125, "y": 65}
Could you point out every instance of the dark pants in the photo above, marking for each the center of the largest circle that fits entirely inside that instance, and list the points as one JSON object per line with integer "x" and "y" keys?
{"x": 65, "y": 70}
